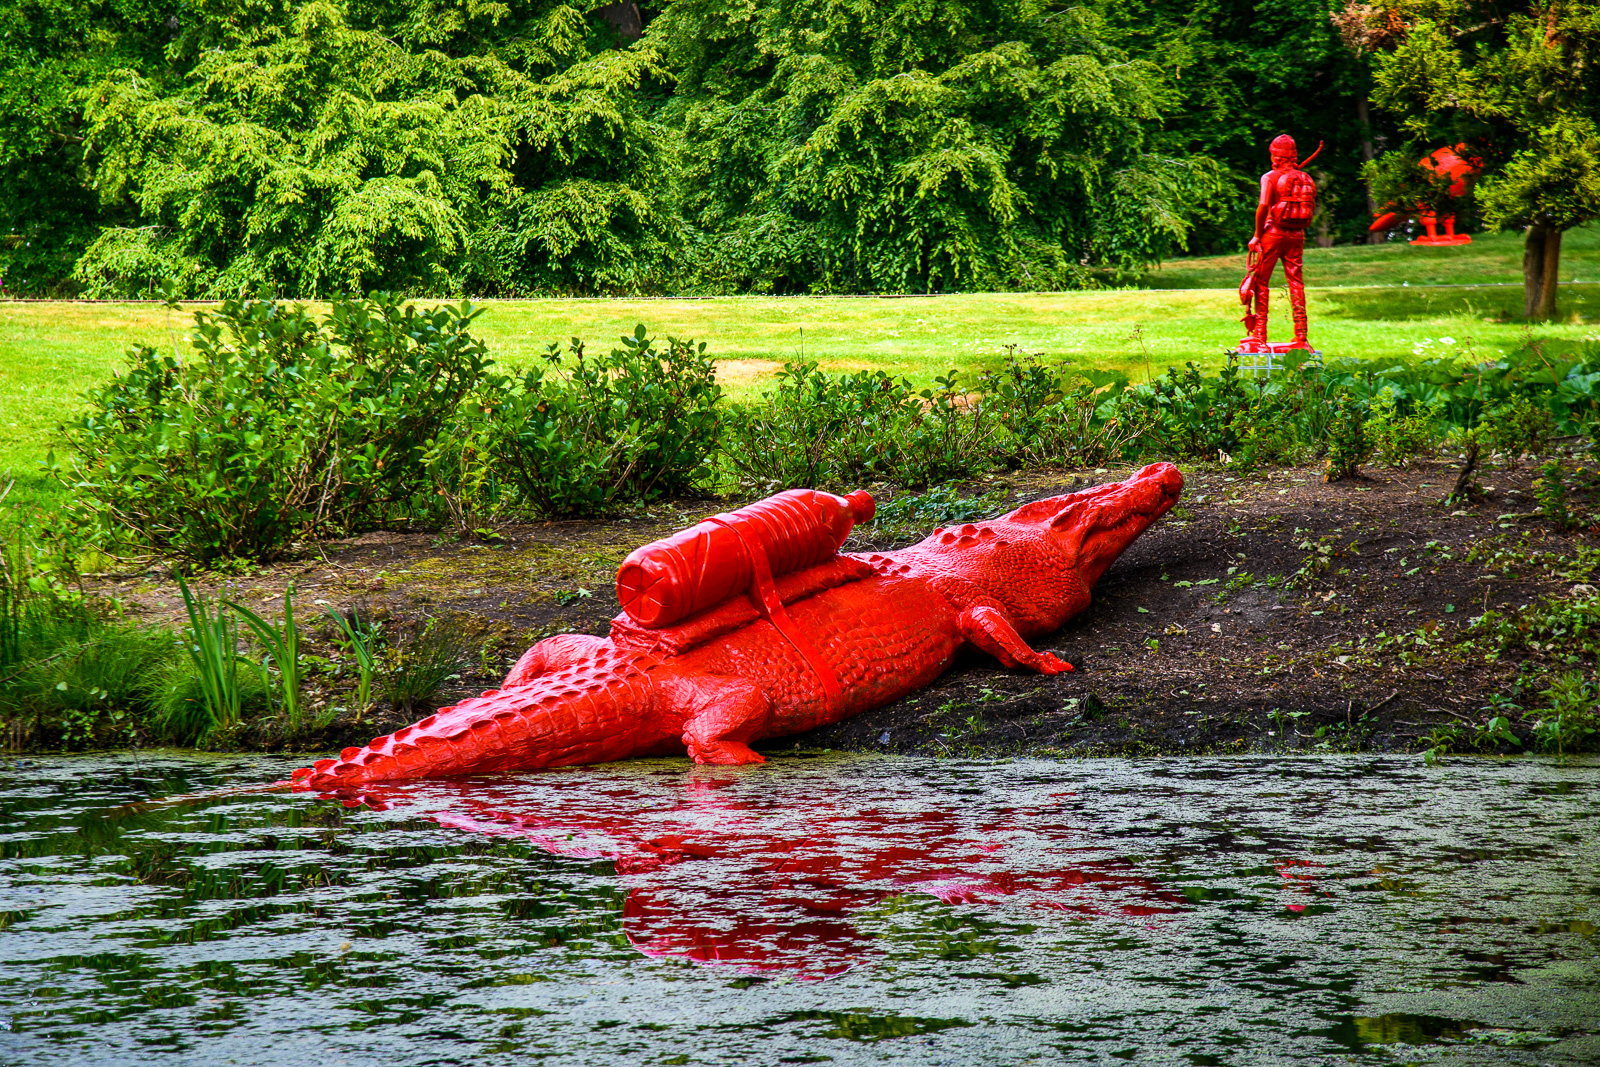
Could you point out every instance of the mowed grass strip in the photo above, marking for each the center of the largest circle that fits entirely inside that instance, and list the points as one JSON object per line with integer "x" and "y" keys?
{"x": 50, "y": 353}
{"x": 1491, "y": 259}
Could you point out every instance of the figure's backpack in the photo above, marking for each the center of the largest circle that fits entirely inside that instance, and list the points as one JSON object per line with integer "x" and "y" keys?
{"x": 1297, "y": 200}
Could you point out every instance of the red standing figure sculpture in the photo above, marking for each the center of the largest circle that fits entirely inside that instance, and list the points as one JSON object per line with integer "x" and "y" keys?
{"x": 1288, "y": 200}
{"x": 1458, "y": 164}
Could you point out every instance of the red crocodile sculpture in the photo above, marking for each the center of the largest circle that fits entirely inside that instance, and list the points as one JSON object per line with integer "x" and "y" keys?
{"x": 751, "y": 626}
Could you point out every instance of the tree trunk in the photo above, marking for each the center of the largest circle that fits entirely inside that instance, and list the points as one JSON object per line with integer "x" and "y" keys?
{"x": 1533, "y": 270}
{"x": 1551, "y": 275}
{"x": 1367, "y": 155}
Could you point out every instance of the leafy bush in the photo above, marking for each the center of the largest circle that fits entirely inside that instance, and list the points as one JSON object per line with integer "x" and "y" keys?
{"x": 635, "y": 425}
{"x": 1348, "y": 444}
{"x": 1550, "y": 490}
{"x": 822, "y": 430}
{"x": 1053, "y": 414}
{"x": 1518, "y": 425}
{"x": 1397, "y": 437}
{"x": 276, "y": 428}
{"x": 1572, "y": 719}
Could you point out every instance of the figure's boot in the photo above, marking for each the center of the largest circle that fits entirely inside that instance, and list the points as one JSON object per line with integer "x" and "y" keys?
{"x": 1299, "y": 311}
{"x": 1259, "y": 334}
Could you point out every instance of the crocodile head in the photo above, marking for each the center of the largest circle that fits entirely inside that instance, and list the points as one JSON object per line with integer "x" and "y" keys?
{"x": 1093, "y": 527}
{"x": 1041, "y": 560}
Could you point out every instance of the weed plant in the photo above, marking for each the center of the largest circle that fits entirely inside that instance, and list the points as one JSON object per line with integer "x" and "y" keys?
{"x": 70, "y": 674}
{"x": 417, "y": 669}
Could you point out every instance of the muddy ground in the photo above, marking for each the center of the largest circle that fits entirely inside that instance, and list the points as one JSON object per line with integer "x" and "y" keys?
{"x": 1231, "y": 626}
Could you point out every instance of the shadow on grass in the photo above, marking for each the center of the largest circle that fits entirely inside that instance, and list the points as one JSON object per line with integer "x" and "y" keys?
{"x": 1576, "y": 303}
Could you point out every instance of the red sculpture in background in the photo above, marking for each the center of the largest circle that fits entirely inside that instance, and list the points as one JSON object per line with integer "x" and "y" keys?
{"x": 1455, "y": 164}
{"x": 1288, "y": 200}
{"x": 750, "y": 626}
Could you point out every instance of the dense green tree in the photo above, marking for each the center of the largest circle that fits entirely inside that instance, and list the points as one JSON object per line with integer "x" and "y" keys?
{"x": 326, "y": 145}
{"x": 913, "y": 145}
{"x": 49, "y": 50}
{"x": 1519, "y": 83}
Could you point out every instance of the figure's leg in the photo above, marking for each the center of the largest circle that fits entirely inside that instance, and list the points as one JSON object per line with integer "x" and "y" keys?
{"x": 1270, "y": 252}
{"x": 1293, "y": 250}
{"x": 554, "y": 653}
{"x": 1449, "y": 225}
{"x": 987, "y": 627}
{"x": 725, "y": 715}
{"x": 1429, "y": 223}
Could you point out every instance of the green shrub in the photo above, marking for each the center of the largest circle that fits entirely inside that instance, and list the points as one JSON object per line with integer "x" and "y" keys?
{"x": 70, "y": 674}
{"x": 1571, "y": 721}
{"x": 1052, "y": 415}
{"x": 819, "y": 430}
{"x": 1550, "y": 490}
{"x": 1348, "y": 444}
{"x": 276, "y": 428}
{"x": 1400, "y": 437}
{"x": 635, "y": 425}
{"x": 1518, "y": 425}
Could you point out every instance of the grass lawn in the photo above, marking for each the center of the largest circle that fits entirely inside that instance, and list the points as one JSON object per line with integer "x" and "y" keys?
{"x": 51, "y": 352}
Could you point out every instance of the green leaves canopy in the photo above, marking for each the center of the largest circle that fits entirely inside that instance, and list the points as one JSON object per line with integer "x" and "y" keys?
{"x": 327, "y": 147}
{"x": 320, "y": 146}
{"x": 914, "y": 146}
{"x": 1516, "y": 81}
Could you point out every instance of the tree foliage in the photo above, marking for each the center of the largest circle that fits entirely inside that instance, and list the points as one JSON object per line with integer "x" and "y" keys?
{"x": 916, "y": 146}
{"x": 318, "y": 146}
{"x": 1519, "y": 84}
{"x": 1237, "y": 75}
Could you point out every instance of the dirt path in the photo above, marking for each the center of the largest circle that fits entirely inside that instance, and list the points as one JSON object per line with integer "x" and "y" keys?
{"x": 1265, "y": 612}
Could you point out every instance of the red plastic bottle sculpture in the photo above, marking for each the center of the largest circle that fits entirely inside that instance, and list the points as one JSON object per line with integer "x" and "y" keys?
{"x": 1457, "y": 164}
{"x": 699, "y": 568}
{"x": 1288, "y": 200}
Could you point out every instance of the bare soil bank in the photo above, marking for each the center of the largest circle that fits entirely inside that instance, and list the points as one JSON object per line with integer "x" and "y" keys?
{"x": 1236, "y": 624}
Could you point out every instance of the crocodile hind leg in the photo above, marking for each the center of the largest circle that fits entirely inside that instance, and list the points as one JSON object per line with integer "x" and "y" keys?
{"x": 986, "y": 626}
{"x": 725, "y": 715}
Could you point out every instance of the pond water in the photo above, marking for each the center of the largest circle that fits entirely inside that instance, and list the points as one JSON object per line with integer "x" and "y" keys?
{"x": 844, "y": 909}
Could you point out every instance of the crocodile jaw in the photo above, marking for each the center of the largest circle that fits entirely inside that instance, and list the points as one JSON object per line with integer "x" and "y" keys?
{"x": 1094, "y": 526}
{"x": 1106, "y": 527}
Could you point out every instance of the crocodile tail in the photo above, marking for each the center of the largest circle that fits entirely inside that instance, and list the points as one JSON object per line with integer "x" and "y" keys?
{"x": 586, "y": 713}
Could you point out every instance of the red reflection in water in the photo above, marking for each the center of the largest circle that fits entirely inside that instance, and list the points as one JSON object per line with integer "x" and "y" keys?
{"x": 741, "y": 877}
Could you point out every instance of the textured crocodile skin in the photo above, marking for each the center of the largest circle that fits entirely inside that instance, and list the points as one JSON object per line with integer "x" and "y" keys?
{"x": 882, "y": 625}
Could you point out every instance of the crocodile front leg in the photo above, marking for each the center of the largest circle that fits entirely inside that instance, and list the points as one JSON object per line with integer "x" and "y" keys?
{"x": 985, "y": 625}
{"x": 725, "y": 715}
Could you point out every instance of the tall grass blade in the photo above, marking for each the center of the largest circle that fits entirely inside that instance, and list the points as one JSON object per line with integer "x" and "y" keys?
{"x": 361, "y": 640}
{"x": 282, "y": 646}
{"x": 213, "y": 649}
